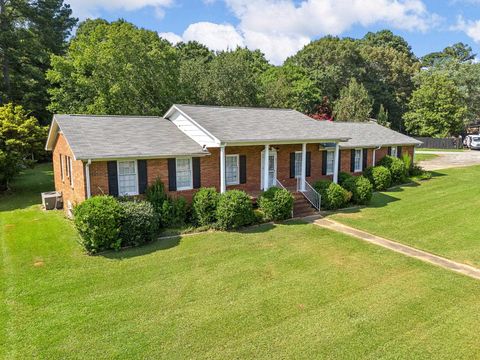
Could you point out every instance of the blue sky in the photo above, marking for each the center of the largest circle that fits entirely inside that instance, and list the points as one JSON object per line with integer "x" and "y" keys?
{"x": 280, "y": 28}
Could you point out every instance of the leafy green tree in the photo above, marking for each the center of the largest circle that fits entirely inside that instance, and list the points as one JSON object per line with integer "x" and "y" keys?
{"x": 458, "y": 52}
{"x": 382, "y": 117}
{"x": 289, "y": 87}
{"x": 114, "y": 68}
{"x": 354, "y": 104}
{"x": 388, "y": 79}
{"x": 437, "y": 107}
{"x": 232, "y": 78}
{"x": 30, "y": 32}
{"x": 20, "y": 137}
{"x": 386, "y": 38}
{"x": 330, "y": 63}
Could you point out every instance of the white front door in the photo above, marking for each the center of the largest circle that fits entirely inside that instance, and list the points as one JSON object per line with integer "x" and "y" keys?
{"x": 272, "y": 168}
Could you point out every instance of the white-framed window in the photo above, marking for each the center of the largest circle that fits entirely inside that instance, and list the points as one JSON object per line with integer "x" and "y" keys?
{"x": 67, "y": 166}
{"x": 62, "y": 174}
{"x": 127, "y": 177}
{"x": 184, "y": 173}
{"x": 232, "y": 169}
{"x": 358, "y": 160}
{"x": 393, "y": 151}
{"x": 70, "y": 168}
{"x": 330, "y": 161}
{"x": 298, "y": 164}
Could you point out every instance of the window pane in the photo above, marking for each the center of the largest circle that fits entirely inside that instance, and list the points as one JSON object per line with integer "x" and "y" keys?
{"x": 330, "y": 160}
{"x": 127, "y": 178}
{"x": 298, "y": 164}
{"x": 358, "y": 160}
{"x": 184, "y": 173}
{"x": 231, "y": 170}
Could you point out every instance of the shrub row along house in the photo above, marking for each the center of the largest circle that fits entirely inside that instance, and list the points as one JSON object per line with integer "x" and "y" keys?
{"x": 250, "y": 149}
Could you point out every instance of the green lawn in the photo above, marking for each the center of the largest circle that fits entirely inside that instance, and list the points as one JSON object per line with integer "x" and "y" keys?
{"x": 428, "y": 149}
{"x": 440, "y": 216}
{"x": 287, "y": 291}
{"x": 424, "y": 157}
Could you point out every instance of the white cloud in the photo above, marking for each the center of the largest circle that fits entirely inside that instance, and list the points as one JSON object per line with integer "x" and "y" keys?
{"x": 90, "y": 8}
{"x": 469, "y": 27}
{"x": 214, "y": 36}
{"x": 281, "y": 27}
{"x": 170, "y": 36}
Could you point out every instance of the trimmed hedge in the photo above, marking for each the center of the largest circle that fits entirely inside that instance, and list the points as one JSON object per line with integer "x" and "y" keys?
{"x": 234, "y": 210}
{"x": 379, "y": 176}
{"x": 204, "y": 206}
{"x": 397, "y": 168}
{"x": 343, "y": 177}
{"x": 98, "y": 221}
{"x": 336, "y": 197}
{"x": 139, "y": 223}
{"x": 174, "y": 212}
{"x": 363, "y": 191}
{"x": 276, "y": 204}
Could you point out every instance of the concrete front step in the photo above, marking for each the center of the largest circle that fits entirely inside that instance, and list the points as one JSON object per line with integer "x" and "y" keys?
{"x": 301, "y": 206}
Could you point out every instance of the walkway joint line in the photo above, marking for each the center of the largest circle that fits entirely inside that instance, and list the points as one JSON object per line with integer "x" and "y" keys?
{"x": 400, "y": 248}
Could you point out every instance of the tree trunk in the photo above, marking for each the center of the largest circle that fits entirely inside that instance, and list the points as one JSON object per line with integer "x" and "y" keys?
{"x": 4, "y": 53}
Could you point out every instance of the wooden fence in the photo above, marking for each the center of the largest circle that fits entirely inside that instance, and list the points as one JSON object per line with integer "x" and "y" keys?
{"x": 441, "y": 143}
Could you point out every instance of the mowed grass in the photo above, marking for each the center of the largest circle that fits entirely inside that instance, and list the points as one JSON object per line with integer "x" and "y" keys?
{"x": 440, "y": 215}
{"x": 285, "y": 291}
{"x": 424, "y": 157}
{"x": 447, "y": 150}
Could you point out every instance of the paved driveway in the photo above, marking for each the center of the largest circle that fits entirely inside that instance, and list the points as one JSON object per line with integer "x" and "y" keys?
{"x": 450, "y": 159}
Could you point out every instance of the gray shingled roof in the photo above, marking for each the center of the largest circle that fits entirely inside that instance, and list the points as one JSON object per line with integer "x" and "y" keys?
{"x": 104, "y": 137}
{"x": 370, "y": 134}
{"x": 242, "y": 124}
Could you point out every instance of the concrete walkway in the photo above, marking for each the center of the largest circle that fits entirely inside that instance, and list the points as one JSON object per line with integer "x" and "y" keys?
{"x": 400, "y": 248}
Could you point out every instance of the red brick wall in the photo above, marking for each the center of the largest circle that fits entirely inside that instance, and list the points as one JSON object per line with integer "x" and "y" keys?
{"x": 76, "y": 193}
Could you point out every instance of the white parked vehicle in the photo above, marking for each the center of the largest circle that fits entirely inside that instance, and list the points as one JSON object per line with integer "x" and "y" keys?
{"x": 475, "y": 142}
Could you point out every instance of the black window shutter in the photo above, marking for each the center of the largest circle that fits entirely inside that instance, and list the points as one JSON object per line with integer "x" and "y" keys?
{"x": 309, "y": 164}
{"x": 172, "y": 175}
{"x": 243, "y": 169}
{"x": 324, "y": 162}
{"x": 112, "y": 178}
{"x": 352, "y": 160}
{"x": 399, "y": 152}
{"x": 365, "y": 159}
{"x": 292, "y": 165}
{"x": 196, "y": 172}
{"x": 339, "y": 167}
{"x": 389, "y": 151}
{"x": 142, "y": 176}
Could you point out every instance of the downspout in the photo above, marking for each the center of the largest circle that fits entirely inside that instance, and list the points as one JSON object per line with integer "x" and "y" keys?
{"x": 374, "y": 151}
{"x": 87, "y": 176}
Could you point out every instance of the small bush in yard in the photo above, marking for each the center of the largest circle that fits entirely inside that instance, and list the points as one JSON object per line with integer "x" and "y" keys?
{"x": 139, "y": 223}
{"x": 363, "y": 191}
{"x": 98, "y": 221}
{"x": 234, "y": 210}
{"x": 380, "y": 177}
{"x": 336, "y": 197}
{"x": 396, "y": 167}
{"x": 321, "y": 187}
{"x": 407, "y": 160}
{"x": 342, "y": 177}
{"x": 155, "y": 194}
{"x": 276, "y": 204}
{"x": 174, "y": 212}
{"x": 204, "y": 206}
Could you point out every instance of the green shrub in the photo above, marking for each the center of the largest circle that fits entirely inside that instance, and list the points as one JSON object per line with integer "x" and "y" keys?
{"x": 234, "y": 210}
{"x": 204, "y": 206}
{"x": 155, "y": 195}
{"x": 98, "y": 221}
{"x": 321, "y": 187}
{"x": 396, "y": 167}
{"x": 343, "y": 176}
{"x": 417, "y": 172}
{"x": 276, "y": 204}
{"x": 380, "y": 177}
{"x": 336, "y": 197}
{"x": 139, "y": 223}
{"x": 407, "y": 160}
{"x": 174, "y": 212}
{"x": 363, "y": 191}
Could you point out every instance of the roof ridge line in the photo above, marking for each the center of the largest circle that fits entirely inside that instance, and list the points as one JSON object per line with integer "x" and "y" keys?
{"x": 236, "y": 107}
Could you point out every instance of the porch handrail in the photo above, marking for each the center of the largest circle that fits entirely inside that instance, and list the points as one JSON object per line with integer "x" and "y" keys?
{"x": 309, "y": 193}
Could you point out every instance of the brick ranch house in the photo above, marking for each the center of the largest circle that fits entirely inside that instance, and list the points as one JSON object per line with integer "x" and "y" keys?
{"x": 250, "y": 149}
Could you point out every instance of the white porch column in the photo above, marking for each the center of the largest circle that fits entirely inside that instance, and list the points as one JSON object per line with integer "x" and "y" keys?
{"x": 304, "y": 167}
{"x": 335, "y": 163}
{"x": 223, "y": 186}
{"x": 266, "y": 166}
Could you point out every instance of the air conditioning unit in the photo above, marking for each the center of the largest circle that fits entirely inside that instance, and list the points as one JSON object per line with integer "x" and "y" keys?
{"x": 52, "y": 200}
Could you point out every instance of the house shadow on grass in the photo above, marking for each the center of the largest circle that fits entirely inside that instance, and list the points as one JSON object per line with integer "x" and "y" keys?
{"x": 154, "y": 246}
